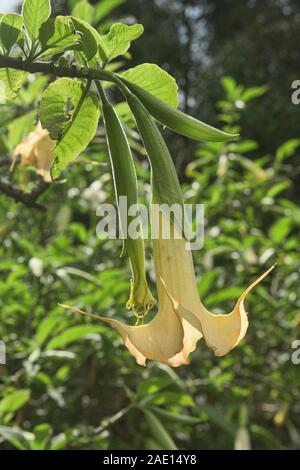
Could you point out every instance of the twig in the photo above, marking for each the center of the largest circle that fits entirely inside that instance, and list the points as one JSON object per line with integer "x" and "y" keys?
{"x": 49, "y": 68}
{"x": 111, "y": 420}
{"x": 29, "y": 199}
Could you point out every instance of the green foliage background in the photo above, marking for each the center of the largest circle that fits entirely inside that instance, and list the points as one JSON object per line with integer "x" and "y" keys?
{"x": 68, "y": 381}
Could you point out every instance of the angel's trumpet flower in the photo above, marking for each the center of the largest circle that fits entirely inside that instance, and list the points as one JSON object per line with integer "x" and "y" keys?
{"x": 36, "y": 150}
{"x": 221, "y": 332}
{"x": 181, "y": 319}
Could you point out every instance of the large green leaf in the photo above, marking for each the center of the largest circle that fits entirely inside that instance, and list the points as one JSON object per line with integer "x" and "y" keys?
{"x": 35, "y": 13}
{"x": 11, "y": 82}
{"x": 58, "y": 35}
{"x": 71, "y": 114}
{"x": 154, "y": 80}
{"x": 83, "y": 11}
{"x": 118, "y": 40}
{"x": 10, "y": 30}
{"x": 90, "y": 37}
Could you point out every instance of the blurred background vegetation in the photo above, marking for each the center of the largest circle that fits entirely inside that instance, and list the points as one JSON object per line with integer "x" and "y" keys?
{"x": 68, "y": 382}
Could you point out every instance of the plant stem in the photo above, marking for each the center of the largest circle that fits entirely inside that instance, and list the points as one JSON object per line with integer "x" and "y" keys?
{"x": 49, "y": 68}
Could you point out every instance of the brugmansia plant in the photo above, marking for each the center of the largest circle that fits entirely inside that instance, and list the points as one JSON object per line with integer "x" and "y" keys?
{"x": 80, "y": 59}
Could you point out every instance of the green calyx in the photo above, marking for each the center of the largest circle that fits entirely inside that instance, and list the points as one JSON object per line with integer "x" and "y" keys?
{"x": 177, "y": 120}
{"x": 125, "y": 183}
{"x": 141, "y": 299}
{"x": 165, "y": 183}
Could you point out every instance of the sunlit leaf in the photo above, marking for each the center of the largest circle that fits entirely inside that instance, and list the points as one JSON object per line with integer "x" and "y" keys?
{"x": 58, "y": 35}
{"x": 10, "y": 30}
{"x": 35, "y": 13}
{"x": 118, "y": 40}
{"x": 70, "y": 113}
{"x": 14, "y": 401}
{"x": 156, "y": 81}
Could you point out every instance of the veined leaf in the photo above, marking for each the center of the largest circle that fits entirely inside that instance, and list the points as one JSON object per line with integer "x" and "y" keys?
{"x": 90, "y": 37}
{"x": 155, "y": 81}
{"x": 58, "y": 35}
{"x": 83, "y": 11}
{"x": 11, "y": 82}
{"x": 35, "y": 13}
{"x": 70, "y": 114}
{"x": 10, "y": 30}
{"x": 118, "y": 40}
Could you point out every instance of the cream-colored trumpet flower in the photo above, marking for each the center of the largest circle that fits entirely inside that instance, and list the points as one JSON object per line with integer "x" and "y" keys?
{"x": 36, "y": 150}
{"x": 221, "y": 332}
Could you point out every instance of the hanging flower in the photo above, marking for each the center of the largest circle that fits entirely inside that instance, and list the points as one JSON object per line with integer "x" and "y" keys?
{"x": 36, "y": 150}
{"x": 181, "y": 320}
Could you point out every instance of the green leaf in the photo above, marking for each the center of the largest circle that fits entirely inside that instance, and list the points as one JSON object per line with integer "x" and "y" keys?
{"x": 11, "y": 81}
{"x": 46, "y": 327}
{"x": 10, "y": 30}
{"x": 58, "y": 442}
{"x": 18, "y": 438}
{"x": 83, "y": 11}
{"x": 287, "y": 149}
{"x": 175, "y": 417}
{"x": 229, "y": 85}
{"x": 33, "y": 90}
{"x": 158, "y": 431}
{"x": 280, "y": 229}
{"x": 14, "y": 401}
{"x": 35, "y": 13}
{"x": 20, "y": 128}
{"x": 42, "y": 435}
{"x": 58, "y": 35}
{"x": 104, "y": 7}
{"x": 118, "y": 40}
{"x": 222, "y": 295}
{"x": 277, "y": 188}
{"x": 75, "y": 333}
{"x": 253, "y": 92}
{"x": 155, "y": 81}
{"x": 70, "y": 114}
{"x": 90, "y": 37}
